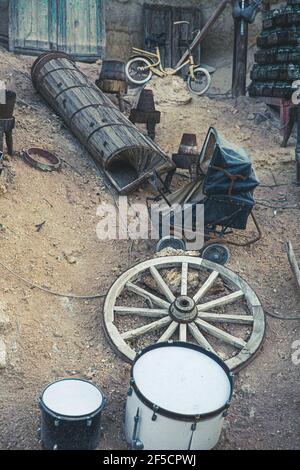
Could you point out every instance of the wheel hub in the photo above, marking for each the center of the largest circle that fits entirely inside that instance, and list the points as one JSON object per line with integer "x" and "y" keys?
{"x": 184, "y": 309}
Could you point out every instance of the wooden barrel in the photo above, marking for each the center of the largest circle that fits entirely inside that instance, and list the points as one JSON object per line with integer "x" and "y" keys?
{"x": 112, "y": 78}
{"x": 113, "y": 70}
{"x": 126, "y": 155}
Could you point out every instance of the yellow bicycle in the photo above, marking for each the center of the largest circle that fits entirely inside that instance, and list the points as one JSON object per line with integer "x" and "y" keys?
{"x": 141, "y": 67}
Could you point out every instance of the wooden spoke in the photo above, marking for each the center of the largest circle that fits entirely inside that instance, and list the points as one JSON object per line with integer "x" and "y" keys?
{"x": 183, "y": 332}
{"x": 206, "y": 286}
{"x": 148, "y": 295}
{"x": 143, "y": 330}
{"x": 142, "y": 312}
{"x": 226, "y": 300}
{"x": 201, "y": 340}
{"x": 169, "y": 332}
{"x": 164, "y": 289}
{"x": 184, "y": 279}
{"x": 224, "y": 318}
{"x": 220, "y": 334}
{"x": 166, "y": 324}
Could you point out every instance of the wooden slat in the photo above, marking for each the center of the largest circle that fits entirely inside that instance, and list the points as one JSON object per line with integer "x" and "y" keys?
{"x": 147, "y": 295}
{"x": 226, "y": 300}
{"x": 201, "y": 340}
{"x": 183, "y": 332}
{"x": 206, "y": 286}
{"x": 169, "y": 332}
{"x": 142, "y": 312}
{"x": 184, "y": 279}
{"x": 224, "y": 318}
{"x": 163, "y": 287}
{"x": 143, "y": 330}
{"x": 220, "y": 334}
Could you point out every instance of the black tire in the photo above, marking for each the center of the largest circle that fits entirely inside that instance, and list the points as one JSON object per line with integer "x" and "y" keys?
{"x": 271, "y": 89}
{"x": 278, "y": 72}
{"x": 216, "y": 253}
{"x": 282, "y": 17}
{"x": 279, "y": 37}
{"x": 275, "y": 55}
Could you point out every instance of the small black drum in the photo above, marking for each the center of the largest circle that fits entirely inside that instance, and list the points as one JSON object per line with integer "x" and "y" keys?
{"x": 71, "y": 415}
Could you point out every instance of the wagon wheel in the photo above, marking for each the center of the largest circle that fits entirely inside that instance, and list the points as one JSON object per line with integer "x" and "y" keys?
{"x": 145, "y": 305}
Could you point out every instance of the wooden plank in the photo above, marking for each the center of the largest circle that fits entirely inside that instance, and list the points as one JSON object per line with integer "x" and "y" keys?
{"x": 201, "y": 340}
{"x": 220, "y": 334}
{"x": 169, "y": 332}
{"x": 143, "y": 330}
{"x": 142, "y": 312}
{"x": 163, "y": 287}
{"x": 206, "y": 286}
{"x": 226, "y": 300}
{"x": 224, "y": 318}
{"x": 184, "y": 279}
{"x": 183, "y": 332}
{"x": 147, "y": 295}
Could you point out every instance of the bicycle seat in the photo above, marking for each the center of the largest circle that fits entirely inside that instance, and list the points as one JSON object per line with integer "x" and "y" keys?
{"x": 156, "y": 39}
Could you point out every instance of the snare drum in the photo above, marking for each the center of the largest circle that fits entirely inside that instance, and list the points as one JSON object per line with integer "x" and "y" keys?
{"x": 178, "y": 398}
{"x": 71, "y": 415}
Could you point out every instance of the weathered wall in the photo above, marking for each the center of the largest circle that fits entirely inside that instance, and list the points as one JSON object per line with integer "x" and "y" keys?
{"x": 3, "y": 19}
{"x": 124, "y": 26}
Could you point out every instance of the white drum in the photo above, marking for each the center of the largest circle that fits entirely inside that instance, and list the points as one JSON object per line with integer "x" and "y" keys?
{"x": 178, "y": 398}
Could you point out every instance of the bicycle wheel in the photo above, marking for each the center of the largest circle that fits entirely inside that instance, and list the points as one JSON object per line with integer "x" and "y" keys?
{"x": 136, "y": 72}
{"x": 201, "y": 83}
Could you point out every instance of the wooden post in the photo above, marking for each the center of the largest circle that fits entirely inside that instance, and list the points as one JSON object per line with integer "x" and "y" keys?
{"x": 240, "y": 56}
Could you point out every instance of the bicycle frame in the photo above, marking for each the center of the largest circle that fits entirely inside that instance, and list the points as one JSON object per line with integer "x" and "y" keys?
{"x": 157, "y": 67}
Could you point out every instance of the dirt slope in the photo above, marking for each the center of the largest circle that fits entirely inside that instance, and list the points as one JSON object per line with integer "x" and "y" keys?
{"x": 51, "y": 337}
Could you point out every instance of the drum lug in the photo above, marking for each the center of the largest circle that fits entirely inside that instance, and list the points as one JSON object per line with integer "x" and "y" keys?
{"x": 225, "y": 413}
{"x": 55, "y": 447}
{"x": 89, "y": 423}
{"x": 137, "y": 444}
{"x": 155, "y": 410}
{"x": 130, "y": 391}
{"x": 56, "y": 423}
{"x": 39, "y": 433}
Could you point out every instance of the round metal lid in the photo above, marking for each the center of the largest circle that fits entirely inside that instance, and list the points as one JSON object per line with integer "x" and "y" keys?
{"x": 72, "y": 398}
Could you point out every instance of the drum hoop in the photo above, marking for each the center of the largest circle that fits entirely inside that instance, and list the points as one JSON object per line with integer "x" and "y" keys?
{"x": 172, "y": 414}
{"x": 52, "y": 413}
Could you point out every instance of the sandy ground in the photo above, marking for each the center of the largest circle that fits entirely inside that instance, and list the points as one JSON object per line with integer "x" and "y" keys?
{"x": 50, "y": 337}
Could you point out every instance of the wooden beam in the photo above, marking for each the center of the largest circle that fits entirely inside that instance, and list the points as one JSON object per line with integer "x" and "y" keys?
{"x": 205, "y": 30}
{"x": 240, "y": 57}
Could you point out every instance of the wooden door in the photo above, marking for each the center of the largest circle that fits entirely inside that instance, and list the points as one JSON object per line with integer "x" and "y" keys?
{"x": 32, "y": 25}
{"x": 73, "y": 26}
{"x": 81, "y": 28}
{"x": 160, "y": 19}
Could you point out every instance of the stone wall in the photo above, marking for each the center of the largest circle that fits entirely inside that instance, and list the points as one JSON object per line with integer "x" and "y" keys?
{"x": 124, "y": 20}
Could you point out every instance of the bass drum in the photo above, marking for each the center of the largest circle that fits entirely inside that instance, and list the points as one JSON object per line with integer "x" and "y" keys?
{"x": 71, "y": 415}
{"x": 178, "y": 398}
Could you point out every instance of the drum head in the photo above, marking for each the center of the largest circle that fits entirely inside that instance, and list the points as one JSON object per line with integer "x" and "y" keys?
{"x": 72, "y": 398}
{"x": 182, "y": 380}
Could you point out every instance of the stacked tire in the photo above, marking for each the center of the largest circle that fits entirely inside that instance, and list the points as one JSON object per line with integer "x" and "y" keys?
{"x": 278, "y": 57}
